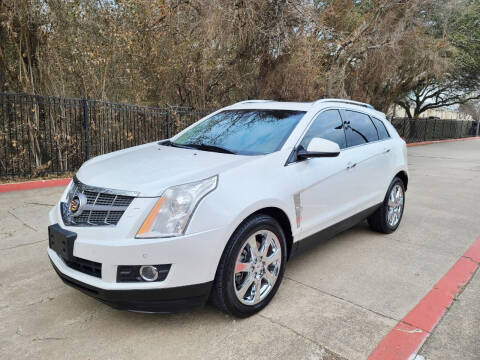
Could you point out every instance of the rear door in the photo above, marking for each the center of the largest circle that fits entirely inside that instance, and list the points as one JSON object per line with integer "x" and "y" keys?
{"x": 368, "y": 160}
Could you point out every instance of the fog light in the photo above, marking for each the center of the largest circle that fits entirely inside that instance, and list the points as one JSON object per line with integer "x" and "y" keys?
{"x": 149, "y": 273}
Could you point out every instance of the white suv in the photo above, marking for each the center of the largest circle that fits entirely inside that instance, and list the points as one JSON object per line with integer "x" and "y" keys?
{"x": 217, "y": 210}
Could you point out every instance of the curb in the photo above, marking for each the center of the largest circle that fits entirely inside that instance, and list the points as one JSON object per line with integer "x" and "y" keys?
{"x": 29, "y": 185}
{"x": 441, "y": 141}
{"x": 405, "y": 340}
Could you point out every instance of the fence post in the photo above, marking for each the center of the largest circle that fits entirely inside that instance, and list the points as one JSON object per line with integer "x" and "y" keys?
{"x": 167, "y": 119}
{"x": 85, "y": 123}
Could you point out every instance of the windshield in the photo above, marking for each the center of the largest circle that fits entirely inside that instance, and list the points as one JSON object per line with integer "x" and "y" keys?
{"x": 245, "y": 132}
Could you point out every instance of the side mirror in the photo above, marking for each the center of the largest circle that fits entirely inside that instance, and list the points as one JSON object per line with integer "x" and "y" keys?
{"x": 319, "y": 147}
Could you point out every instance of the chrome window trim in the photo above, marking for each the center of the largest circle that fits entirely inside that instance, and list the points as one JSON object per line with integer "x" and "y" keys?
{"x": 388, "y": 134}
{"x": 370, "y": 118}
{"x": 369, "y": 143}
{"x": 314, "y": 117}
{"x": 339, "y": 109}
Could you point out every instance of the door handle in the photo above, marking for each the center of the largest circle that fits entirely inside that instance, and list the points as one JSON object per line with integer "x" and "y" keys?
{"x": 351, "y": 165}
{"x": 386, "y": 150}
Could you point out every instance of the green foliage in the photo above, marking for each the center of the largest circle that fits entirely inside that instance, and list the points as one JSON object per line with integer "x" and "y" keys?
{"x": 464, "y": 34}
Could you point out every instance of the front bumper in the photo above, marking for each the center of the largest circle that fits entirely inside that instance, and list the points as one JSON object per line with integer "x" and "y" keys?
{"x": 193, "y": 258}
{"x": 166, "y": 300}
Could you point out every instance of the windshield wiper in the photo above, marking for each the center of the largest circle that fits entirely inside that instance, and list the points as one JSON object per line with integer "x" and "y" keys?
{"x": 200, "y": 146}
{"x": 206, "y": 147}
{"x": 172, "y": 144}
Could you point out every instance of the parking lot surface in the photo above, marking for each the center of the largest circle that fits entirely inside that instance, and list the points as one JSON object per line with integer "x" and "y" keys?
{"x": 336, "y": 302}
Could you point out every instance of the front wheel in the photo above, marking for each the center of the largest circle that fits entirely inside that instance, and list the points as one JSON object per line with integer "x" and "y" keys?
{"x": 388, "y": 216}
{"x": 251, "y": 268}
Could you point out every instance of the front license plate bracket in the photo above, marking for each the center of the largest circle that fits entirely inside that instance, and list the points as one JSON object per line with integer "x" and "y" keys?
{"x": 61, "y": 241}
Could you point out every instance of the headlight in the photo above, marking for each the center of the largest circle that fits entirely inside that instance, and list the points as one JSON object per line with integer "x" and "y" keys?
{"x": 172, "y": 212}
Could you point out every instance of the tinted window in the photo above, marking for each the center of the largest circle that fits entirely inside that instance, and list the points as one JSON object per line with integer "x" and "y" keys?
{"x": 382, "y": 130}
{"x": 328, "y": 125}
{"x": 359, "y": 129}
{"x": 246, "y": 132}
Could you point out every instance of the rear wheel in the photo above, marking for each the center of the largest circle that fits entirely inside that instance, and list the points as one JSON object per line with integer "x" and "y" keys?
{"x": 388, "y": 216}
{"x": 251, "y": 267}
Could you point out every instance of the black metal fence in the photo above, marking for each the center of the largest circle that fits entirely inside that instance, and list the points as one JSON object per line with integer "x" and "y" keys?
{"x": 416, "y": 130}
{"x": 49, "y": 135}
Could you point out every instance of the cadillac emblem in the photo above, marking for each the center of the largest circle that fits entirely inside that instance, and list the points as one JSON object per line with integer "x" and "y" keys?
{"x": 76, "y": 204}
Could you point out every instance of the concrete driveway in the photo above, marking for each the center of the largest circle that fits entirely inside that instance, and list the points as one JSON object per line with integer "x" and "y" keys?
{"x": 336, "y": 302}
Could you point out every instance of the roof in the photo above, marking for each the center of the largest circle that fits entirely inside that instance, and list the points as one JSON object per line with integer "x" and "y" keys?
{"x": 268, "y": 104}
{"x": 303, "y": 106}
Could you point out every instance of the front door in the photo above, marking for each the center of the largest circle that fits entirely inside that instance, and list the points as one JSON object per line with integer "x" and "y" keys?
{"x": 325, "y": 196}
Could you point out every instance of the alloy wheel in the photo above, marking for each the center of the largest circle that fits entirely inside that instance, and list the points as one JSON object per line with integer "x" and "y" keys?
{"x": 257, "y": 267}
{"x": 395, "y": 205}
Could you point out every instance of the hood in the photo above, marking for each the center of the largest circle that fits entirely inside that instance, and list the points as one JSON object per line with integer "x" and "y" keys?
{"x": 149, "y": 169}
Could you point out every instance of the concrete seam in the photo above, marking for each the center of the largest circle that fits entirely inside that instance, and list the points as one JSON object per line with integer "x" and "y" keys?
{"x": 344, "y": 300}
{"x": 23, "y": 222}
{"x": 300, "y": 334}
{"x": 22, "y": 245}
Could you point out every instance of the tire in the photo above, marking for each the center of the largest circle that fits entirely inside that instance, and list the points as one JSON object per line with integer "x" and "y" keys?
{"x": 237, "y": 267}
{"x": 379, "y": 220}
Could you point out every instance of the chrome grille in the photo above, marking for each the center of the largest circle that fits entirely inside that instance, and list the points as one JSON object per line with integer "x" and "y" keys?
{"x": 91, "y": 196}
{"x": 102, "y": 206}
{"x": 105, "y": 199}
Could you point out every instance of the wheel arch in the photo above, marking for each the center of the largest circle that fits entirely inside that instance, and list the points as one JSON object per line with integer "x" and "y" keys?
{"x": 282, "y": 218}
{"x": 278, "y": 214}
{"x": 404, "y": 177}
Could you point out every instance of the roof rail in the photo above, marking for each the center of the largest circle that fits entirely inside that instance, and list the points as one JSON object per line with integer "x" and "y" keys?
{"x": 253, "y": 101}
{"x": 353, "y": 102}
